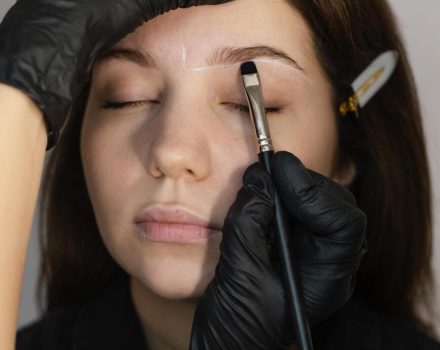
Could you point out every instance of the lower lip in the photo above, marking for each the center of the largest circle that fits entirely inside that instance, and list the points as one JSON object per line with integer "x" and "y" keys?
{"x": 176, "y": 233}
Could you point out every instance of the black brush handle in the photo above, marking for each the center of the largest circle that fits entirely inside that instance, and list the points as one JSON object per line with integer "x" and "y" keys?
{"x": 287, "y": 261}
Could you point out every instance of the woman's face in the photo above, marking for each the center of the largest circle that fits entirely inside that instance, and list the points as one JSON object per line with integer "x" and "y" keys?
{"x": 184, "y": 143}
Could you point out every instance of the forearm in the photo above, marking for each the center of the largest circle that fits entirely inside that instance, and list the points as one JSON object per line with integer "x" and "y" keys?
{"x": 22, "y": 149}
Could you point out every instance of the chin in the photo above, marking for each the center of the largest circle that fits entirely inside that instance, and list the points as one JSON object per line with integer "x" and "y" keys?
{"x": 174, "y": 277}
{"x": 187, "y": 291}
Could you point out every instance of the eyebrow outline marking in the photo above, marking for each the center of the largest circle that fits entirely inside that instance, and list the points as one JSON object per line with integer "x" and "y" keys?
{"x": 222, "y": 55}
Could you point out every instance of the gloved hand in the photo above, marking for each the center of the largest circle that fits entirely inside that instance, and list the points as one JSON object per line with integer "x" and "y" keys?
{"x": 244, "y": 305}
{"x": 47, "y": 47}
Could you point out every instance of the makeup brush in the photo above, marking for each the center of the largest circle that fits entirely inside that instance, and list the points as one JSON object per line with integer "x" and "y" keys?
{"x": 252, "y": 86}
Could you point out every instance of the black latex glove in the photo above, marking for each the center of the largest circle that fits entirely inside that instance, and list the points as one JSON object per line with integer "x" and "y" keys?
{"x": 244, "y": 306}
{"x": 47, "y": 47}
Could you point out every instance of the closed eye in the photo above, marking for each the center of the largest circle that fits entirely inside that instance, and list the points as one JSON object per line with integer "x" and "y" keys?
{"x": 245, "y": 109}
{"x": 128, "y": 104}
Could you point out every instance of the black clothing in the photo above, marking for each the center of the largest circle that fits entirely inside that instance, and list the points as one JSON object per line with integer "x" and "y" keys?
{"x": 110, "y": 322}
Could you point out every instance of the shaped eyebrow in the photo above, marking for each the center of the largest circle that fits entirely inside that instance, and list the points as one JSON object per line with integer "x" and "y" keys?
{"x": 221, "y": 56}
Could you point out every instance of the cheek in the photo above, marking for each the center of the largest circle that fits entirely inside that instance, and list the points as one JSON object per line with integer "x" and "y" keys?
{"x": 309, "y": 132}
{"x": 105, "y": 148}
{"x": 108, "y": 170}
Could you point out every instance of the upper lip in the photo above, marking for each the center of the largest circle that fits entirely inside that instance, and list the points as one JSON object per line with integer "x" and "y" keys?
{"x": 170, "y": 214}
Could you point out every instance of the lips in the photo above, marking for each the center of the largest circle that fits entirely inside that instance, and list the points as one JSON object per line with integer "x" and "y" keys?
{"x": 173, "y": 224}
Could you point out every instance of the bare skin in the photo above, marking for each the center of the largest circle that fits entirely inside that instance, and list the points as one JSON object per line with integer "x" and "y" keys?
{"x": 22, "y": 149}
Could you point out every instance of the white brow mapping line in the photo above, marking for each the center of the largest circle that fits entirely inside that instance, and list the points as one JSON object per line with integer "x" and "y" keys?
{"x": 220, "y": 66}
{"x": 262, "y": 60}
{"x": 183, "y": 56}
{"x": 223, "y": 66}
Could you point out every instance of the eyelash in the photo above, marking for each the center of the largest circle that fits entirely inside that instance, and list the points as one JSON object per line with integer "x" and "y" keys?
{"x": 121, "y": 105}
{"x": 235, "y": 106}
{"x": 245, "y": 109}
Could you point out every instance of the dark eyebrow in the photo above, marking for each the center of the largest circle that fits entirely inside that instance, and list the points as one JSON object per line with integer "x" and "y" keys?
{"x": 221, "y": 56}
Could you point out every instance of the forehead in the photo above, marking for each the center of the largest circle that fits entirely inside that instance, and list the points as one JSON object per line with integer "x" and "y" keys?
{"x": 193, "y": 34}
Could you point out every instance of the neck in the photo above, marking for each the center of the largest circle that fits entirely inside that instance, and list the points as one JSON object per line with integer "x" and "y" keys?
{"x": 166, "y": 323}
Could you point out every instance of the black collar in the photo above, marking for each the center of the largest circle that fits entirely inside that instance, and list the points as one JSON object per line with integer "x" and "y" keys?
{"x": 110, "y": 321}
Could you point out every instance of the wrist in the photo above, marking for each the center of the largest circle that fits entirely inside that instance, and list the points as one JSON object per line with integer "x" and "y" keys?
{"x": 23, "y": 115}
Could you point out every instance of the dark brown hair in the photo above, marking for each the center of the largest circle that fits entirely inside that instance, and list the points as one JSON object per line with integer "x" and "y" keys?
{"x": 386, "y": 143}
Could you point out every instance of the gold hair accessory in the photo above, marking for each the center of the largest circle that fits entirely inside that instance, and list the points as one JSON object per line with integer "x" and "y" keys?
{"x": 369, "y": 82}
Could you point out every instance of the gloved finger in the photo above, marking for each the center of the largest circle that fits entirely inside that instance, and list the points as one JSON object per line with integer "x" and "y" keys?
{"x": 333, "y": 187}
{"x": 247, "y": 223}
{"x": 319, "y": 205}
{"x": 337, "y": 287}
{"x": 315, "y": 249}
{"x": 158, "y": 7}
{"x": 312, "y": 176}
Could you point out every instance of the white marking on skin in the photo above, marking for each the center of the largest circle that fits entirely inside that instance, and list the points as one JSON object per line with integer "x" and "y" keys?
{"x": 262, "y": 60}
{"x": 183, "y": 56}
{"x": 273, "y": 63}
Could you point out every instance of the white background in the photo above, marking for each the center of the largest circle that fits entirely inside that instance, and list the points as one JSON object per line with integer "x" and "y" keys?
{"x": 420, "y": 26}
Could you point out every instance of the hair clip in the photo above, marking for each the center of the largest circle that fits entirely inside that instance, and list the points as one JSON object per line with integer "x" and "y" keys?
{"x": 369, "y": 82}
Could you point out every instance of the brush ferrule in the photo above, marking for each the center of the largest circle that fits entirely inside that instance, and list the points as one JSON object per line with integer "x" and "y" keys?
{"x": 254, "y": 97}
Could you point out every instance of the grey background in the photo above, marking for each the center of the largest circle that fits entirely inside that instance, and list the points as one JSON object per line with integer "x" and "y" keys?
{"x": 420, "y": 25}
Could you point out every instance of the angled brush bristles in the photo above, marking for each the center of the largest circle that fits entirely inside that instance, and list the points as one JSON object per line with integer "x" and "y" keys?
{"x": 248, "y": 67}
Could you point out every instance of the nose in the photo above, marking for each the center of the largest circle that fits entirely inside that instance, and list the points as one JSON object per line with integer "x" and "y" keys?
{"x": 179, "y": 142}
